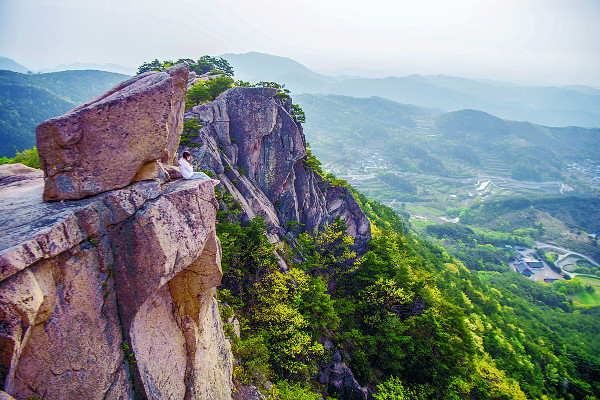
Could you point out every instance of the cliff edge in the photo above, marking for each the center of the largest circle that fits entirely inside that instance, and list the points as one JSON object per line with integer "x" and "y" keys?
{"x": 111, "y": 296}
{"x": 252, "y": 140}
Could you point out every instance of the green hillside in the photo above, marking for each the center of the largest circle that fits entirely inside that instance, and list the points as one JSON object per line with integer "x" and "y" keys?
{"x": 22, "y": 107}
{"x": 411, "y": 321}
{"x": 77, "y": 86}
{"x": 28, "y": 99}
{"x": 436, "y": 168}
{"x": 414, "y": 139}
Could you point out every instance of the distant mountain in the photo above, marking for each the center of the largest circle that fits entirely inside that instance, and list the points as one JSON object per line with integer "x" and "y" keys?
{"x": 255, "y": 67}
{"x": 77, "y": 86}
{"x": 11, "y": 65}
{"x": 584, "y": 89}
{"x": 551, "y": 106}
{"x": 28, "y": 99}
{"x": 116, "y": 68}
{"x": 546, "y": 105}
{"x": 342, "y": 129}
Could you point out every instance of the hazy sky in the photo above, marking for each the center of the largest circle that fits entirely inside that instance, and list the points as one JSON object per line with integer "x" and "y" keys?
{"x": 553, "y": 41}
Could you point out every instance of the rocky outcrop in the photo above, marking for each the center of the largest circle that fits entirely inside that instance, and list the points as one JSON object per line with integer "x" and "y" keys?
{"x": 246, "y": 392}
{"x": 116, "y": 138}
{"x": 20, "y": 173}
{"x": 5, "y": 396}
{"x": 250, "y": 137}
{"x": 111, "y": 296}
{"x": 340, "y": 381}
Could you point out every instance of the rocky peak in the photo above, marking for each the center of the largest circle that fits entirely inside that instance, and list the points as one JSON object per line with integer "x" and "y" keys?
{"x": 109, "y": 293}
{"x": 250, "y": 138}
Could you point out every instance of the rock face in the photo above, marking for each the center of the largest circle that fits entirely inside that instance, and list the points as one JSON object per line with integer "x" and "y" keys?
{"x": 340, "y": 381}
{"x": 111, "y": 297}
{"x": 116, "y": 138}
{"x": 252, "y": 140}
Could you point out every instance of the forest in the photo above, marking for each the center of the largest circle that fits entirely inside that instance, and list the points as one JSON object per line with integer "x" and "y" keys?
{"x": 28, "y": 99}
{"x": 411, "y": 321}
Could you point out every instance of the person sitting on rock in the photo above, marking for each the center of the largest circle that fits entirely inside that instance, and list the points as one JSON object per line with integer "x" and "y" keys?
{"x": 187, "y": 171}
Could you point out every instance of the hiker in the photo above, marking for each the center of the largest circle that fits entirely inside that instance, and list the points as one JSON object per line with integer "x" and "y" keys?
{"x": 187, "y": 171}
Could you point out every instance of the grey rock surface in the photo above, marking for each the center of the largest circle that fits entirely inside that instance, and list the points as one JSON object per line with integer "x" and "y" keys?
{"x": 250, "y": 139}
{"x": 341, "y": 382}
{"x": 112, "y": 296}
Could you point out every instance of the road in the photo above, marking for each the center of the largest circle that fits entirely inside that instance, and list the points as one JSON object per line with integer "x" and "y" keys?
{"x": 565, "y": 253}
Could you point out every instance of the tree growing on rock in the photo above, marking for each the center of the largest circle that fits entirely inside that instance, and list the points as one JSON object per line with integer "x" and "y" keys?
{"x": 205, "y": 64}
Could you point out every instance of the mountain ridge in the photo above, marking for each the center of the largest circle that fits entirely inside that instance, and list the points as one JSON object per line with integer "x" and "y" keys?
{"x": 546, "y": 105}
{"x": 11, "y": 65}
{"x": 28, "y": 99}
{"x": 304, "y": 308}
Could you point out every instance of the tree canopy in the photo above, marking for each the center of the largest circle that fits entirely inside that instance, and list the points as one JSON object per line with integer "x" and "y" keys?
{"x": 203, "y": 65}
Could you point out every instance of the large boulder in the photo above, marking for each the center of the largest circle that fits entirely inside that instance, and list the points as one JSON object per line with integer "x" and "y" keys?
{"x": 116, "y": 138}
{"x": 112, "y": 296}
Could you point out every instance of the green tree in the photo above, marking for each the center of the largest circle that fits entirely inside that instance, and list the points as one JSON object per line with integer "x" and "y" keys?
{"x": 326, "y": 253}
{"x": 205, "y": 64}
{"x": 212, "y": 64}
{"x": 207, "y": 90}
{"x": 293, "y": 351}
{"x": 296, "y": 111}
{"x": 252, "y": 355}
{"x": 218, "y": 85}
{"x": 284, "y": 94}
{"x": 382, "y": 300}
{"x": 154, "y": 65}
{"x": 284, "y": 390}
{"x": 317, "y": 307}
{"x": 191, "y": 128}
{"x": 27, "y": 157}
{"x": 197, "y": 94}
{"x": 393, "y": 389}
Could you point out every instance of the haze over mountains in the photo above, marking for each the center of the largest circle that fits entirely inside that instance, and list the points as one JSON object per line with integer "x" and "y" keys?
{"x": 341, "y": 128}
{"x": 27, "y": 99}
{"x": 546, "y": 105}
{"x": 12, "y": 65}
{"x": 574, "y": 105}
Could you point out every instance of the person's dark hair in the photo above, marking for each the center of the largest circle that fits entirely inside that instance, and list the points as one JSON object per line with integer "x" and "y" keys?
{"x": 185, "y": 154}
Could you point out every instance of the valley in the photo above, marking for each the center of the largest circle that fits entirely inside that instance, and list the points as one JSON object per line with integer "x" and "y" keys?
{"x": 513, "y": 183}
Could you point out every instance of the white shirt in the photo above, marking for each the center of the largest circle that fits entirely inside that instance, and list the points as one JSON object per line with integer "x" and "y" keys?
{"x": 186, "y": 168}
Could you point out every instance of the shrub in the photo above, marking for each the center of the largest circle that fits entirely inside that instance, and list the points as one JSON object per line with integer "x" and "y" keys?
{"x": 28, "y": 157}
